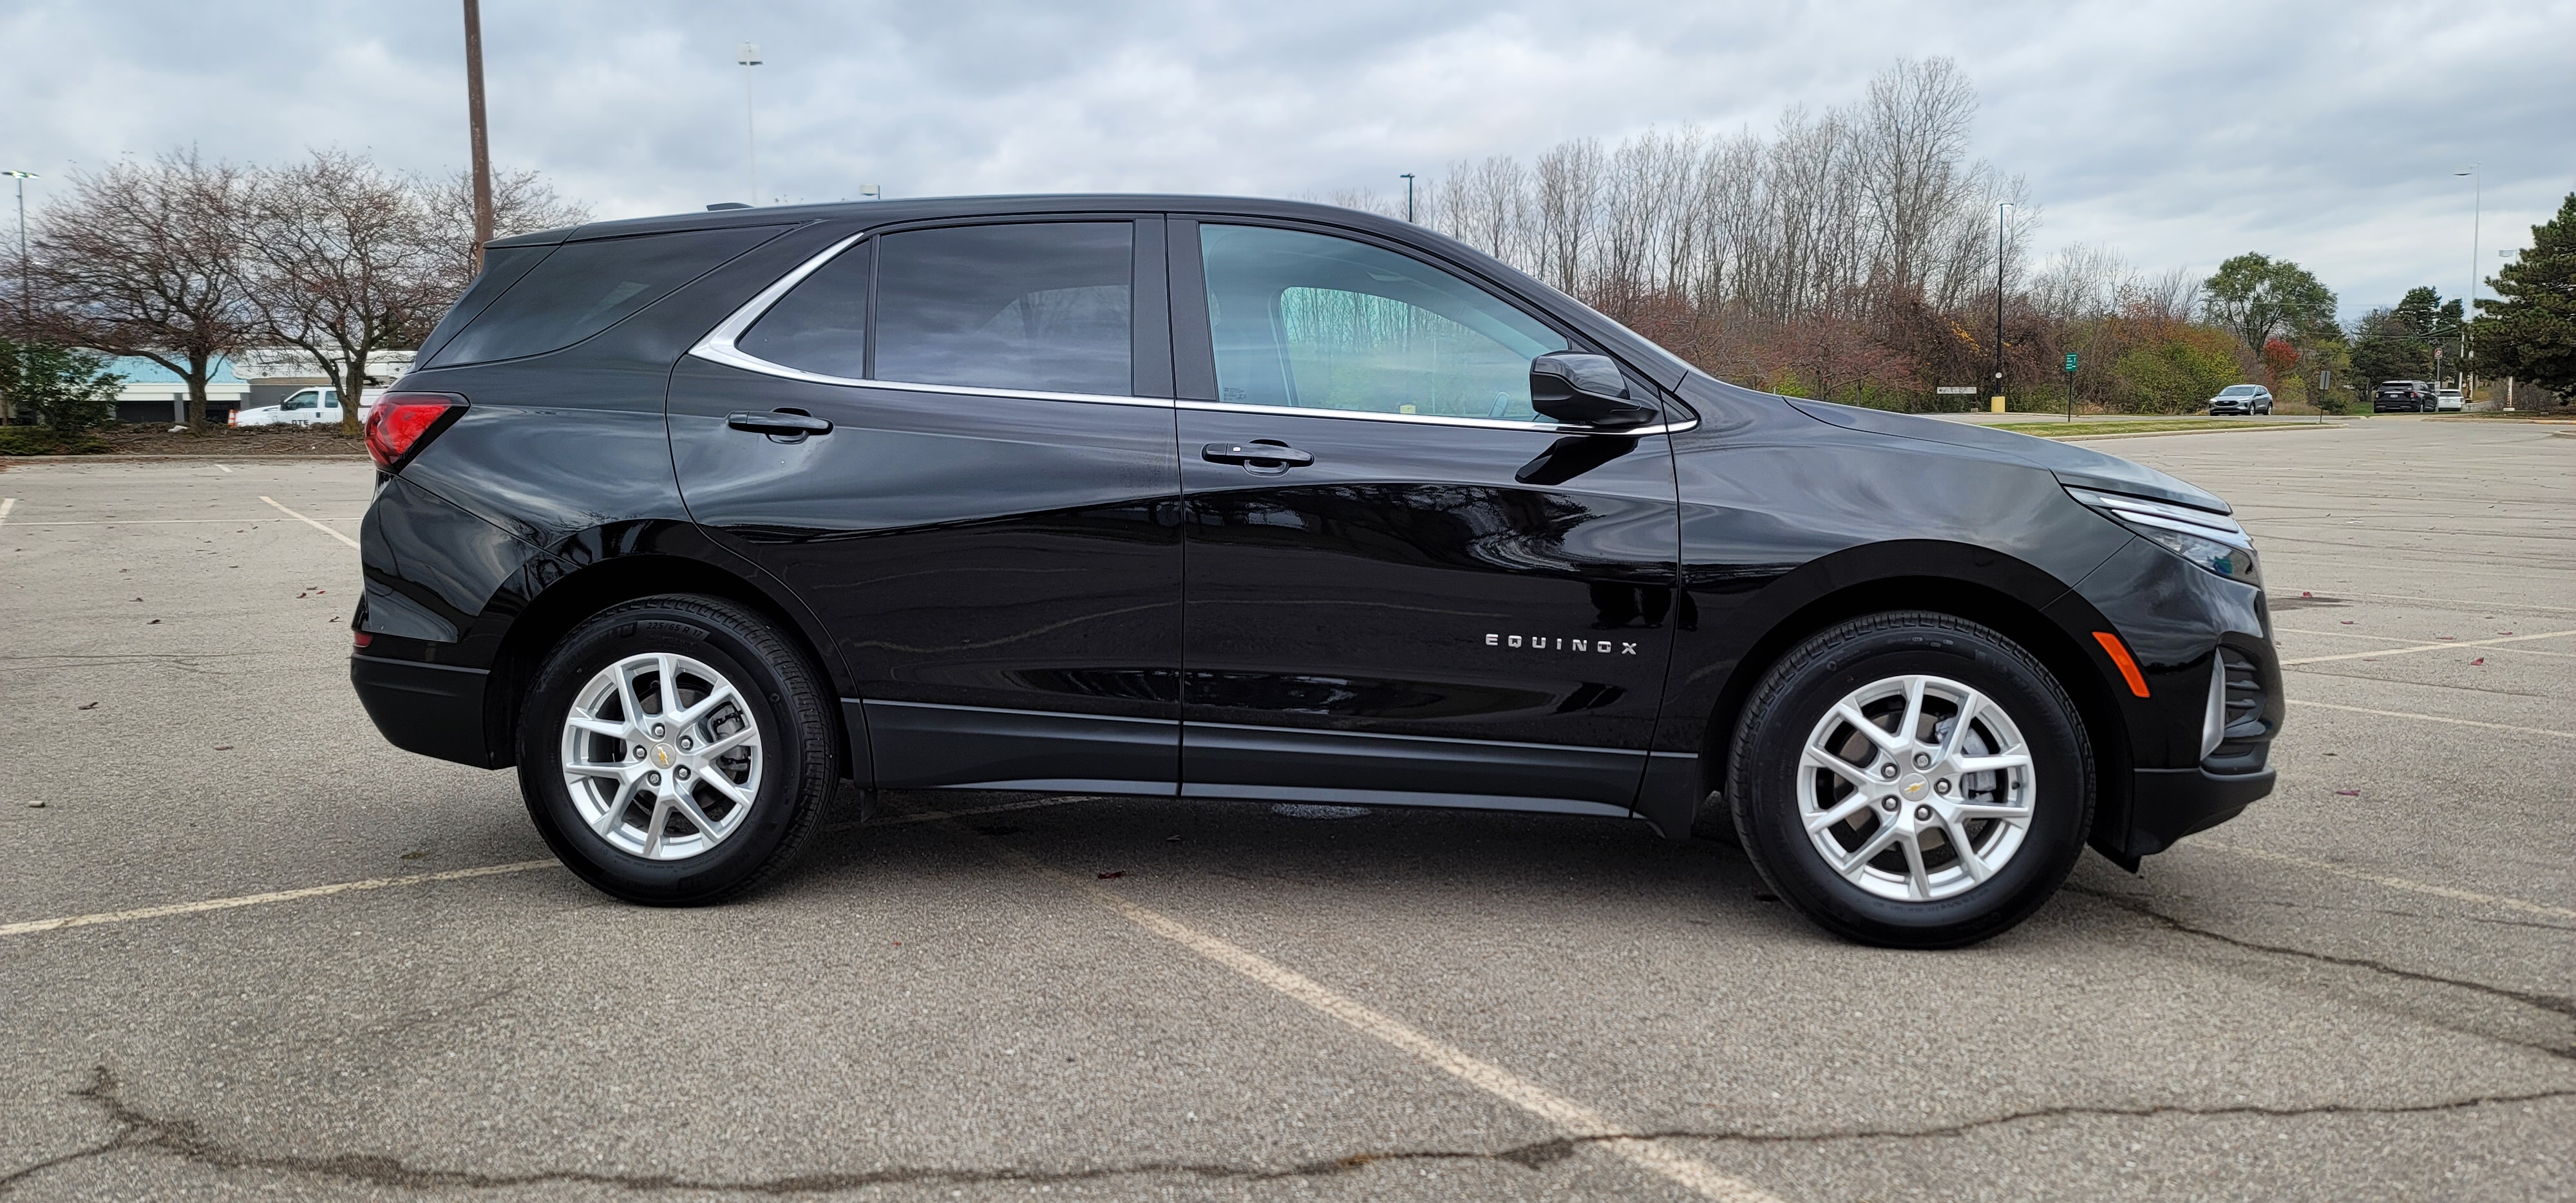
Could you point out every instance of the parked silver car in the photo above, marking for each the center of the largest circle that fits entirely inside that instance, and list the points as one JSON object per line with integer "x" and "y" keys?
{"x": 2242, "y": 399}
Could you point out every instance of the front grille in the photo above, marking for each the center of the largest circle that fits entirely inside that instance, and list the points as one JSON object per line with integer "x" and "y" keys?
{"x": 2247, "y": 736}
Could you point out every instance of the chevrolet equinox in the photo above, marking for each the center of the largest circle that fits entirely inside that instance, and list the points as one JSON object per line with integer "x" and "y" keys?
{"x": 691, "y": 519}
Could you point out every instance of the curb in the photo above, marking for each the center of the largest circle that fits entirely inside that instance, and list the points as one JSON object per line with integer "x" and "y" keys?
{"x": 2158, "y": 434}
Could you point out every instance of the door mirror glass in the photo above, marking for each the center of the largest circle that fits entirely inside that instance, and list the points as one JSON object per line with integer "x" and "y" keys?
{"x": 1310, "y": 321}
{"x": 1584, "y": 390}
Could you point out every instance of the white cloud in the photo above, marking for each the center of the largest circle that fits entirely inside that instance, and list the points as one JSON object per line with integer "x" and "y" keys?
{"x": 2179, "y": 133}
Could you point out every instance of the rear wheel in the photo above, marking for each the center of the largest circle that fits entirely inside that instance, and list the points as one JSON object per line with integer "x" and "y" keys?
{"x": 677, "y": 750}
{"x": 1912, "y": 780}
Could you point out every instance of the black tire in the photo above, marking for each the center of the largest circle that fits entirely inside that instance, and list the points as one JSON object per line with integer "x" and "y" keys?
{"x": 780, "y": 687}
{"x": 1803, "y": 688}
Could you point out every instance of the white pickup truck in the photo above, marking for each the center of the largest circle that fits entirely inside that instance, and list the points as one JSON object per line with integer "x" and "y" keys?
{"x": 305, "y": 407}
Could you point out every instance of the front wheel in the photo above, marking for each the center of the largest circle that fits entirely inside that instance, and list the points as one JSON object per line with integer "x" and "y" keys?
{"x": 677, "y": 750}
{"x": 1913, "y": 780}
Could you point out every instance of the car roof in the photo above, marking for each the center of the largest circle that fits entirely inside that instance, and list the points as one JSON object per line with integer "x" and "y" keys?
{"x": 889, "y": 212}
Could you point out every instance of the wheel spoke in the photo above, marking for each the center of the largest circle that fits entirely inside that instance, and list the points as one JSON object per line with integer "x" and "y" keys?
{"x": 1913, "y": 721}
{"x": 724, "y": 785}
{"x": 1953, "y": 831}
{"x": 1842, "y": 768}
{"x": 600, "y": 726}
{"x": 718, "y": 747}
{"x": 1986, "y": 764}
{"x": 685, "y": 719}
{"x": 661, "y": 819}
{"x": 707, "y": 827}
{"x": 669, "y": 669}
{"x": 1918, "y": 880}
{"x": 2018, "y": 816}
{"x": 1822, "y": 819}
{"x": 1970, "y": 702}
{"x": 1860, "y": 857}
{"x": 613, "y": 771}
{"x": 613, "y": 817}
{"x": 1887, "y": 743}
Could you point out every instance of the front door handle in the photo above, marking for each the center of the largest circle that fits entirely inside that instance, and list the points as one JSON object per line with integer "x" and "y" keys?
{"x": 782, "y": 422}
{"x": 1257, "y": 455}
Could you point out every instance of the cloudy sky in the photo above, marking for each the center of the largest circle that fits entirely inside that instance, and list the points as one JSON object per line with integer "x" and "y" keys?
{"x": 2176, "y": 133}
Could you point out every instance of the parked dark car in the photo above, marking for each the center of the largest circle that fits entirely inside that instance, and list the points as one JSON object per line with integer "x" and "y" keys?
{"x": 2241, "y": 399}
{"x": 693, "y": 518}
{"x": 2403, "y": 396}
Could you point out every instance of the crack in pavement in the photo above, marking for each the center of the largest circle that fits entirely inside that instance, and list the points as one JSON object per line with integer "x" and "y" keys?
{"x": 140, "y": 1132}
{"x": 2552, "y": 1003}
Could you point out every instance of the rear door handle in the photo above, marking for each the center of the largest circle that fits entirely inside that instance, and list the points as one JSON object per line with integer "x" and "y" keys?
{"x": 779, "y": 422}
{"x": 1273, "y": 456}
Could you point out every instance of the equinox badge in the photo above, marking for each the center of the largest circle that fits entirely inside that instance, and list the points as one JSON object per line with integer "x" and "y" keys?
{"x": 1547, "y": 643}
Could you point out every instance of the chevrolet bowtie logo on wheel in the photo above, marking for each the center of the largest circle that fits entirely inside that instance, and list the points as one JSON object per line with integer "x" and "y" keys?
{"x": 1552, "y": 643}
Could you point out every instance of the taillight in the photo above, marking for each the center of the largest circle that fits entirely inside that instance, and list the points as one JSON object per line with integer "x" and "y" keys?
{"x": 402, "y": 423}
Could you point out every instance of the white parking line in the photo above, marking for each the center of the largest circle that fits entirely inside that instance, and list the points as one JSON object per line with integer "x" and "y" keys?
{"x": 2435, "y": 718}
{"x": 2517, "y": 651}
{"x": 1567, "y": 1116}
{"x": 168, "y": 521}
{"x": 2394, "y": 883}
{"x": 227, "y": 470}
{"x": 225, "y": 904}
{"x": 311, "y": 523}
{"x": 2453, "y": 603}
{"x": 2427, "y": 647}
{"x": 7, "y": 504}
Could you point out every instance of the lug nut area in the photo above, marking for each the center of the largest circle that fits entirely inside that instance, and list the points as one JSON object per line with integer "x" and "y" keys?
{"x": 652, "y": 778}
{"x": 1887, "y": 803}
{"x": 1923, "y": 760}
{"x": 639, "y": 751}
{"x": 685, "y": 745}
{"x": 1887, "y": 771}
{"x": 682, "y": 773}
{"x": 1942, "y": 786}
{"x": 657, "y": 730}
{"x": 1922, "y": 814}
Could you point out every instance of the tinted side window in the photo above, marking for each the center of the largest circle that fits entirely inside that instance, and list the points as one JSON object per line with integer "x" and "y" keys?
{"x": 1327, "y": 323}
{"x": 821, "y": 325}
{"x": 586, "y": 287}
{"x": 502, "y": 267}
{"x": 1045, "y": 306}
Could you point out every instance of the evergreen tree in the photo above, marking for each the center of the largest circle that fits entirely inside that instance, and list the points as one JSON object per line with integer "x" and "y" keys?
{"x": 2529, "y": 330}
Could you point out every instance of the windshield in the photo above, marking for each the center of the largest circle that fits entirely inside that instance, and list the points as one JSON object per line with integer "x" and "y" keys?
{"x": 2239, "y": 390}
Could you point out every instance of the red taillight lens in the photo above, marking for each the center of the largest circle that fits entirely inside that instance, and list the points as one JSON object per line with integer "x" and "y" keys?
{"x": 401, "y": 422}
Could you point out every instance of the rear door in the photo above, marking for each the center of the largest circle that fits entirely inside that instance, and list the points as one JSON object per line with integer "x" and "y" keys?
{"x": 989, "y": 528}
{"x": 1405, "y": 587}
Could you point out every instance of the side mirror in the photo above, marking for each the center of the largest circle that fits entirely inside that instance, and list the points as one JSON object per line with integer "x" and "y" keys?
{"x": 1584, "y": 390}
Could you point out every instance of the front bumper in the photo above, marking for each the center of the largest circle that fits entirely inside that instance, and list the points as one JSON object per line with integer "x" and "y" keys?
{"x": 433, "y": 709}
{"x": 2168, "y": 804}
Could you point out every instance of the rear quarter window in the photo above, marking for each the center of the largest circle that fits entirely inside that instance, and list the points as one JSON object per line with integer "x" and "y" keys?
{"x": 586, "y": 287}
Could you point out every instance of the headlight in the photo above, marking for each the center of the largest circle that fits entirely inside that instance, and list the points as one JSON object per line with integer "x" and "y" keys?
{"x": 2214, "y": 542}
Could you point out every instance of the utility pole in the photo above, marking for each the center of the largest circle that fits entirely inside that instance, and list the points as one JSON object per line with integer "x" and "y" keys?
{"x": 474, "y": 121}
{"x": 749, "y": 57}
{"x": 1408, "y": 196}
{"x": 1999, "y": 305}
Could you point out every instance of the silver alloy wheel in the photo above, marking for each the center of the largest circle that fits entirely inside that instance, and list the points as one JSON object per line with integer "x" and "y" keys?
{"x": 1916, "y": 788}
{"x": 661, "y": 756}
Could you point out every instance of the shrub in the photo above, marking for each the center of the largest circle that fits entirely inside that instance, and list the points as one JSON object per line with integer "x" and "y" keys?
{"x": 68, "y": 391}
{"x": 2178, "y": 369}
{"x": 43, "y": 440}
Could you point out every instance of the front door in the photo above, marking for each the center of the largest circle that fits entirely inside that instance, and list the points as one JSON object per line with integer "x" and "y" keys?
{"x": 1404, "y": 586}
{"x": 989, "y": 528}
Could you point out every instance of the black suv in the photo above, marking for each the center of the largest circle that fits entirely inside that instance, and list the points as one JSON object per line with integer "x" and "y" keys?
{"x": 693, "y": 518}
{"x": 2403, "y": 396}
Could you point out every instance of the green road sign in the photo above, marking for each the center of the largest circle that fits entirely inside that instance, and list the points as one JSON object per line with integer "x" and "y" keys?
{"x": 2070, "y": 361}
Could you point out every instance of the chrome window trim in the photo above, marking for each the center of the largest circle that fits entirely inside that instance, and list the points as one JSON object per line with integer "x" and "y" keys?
{"x": 1364, "y": 415}
{"x": 718, "y": 347}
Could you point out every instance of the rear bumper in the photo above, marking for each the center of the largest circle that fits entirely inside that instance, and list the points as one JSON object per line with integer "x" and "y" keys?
{"x": 2168, "y": 804}
{"x": 433, "y": 709}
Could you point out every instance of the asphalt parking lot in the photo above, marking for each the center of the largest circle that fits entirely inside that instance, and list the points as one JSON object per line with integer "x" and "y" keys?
{"x": 301, "y": 964}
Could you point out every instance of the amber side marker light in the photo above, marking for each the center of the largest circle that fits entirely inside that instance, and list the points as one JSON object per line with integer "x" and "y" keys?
{"x": 2120, "y": 656}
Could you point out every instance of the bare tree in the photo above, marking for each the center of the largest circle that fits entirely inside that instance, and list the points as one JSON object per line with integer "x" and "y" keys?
{"x": 522, "y": 203}
{"x": 1915, "y": 132}
{"x": 147, "y": 260}
{"x": 1567, "y": 208}
{"x": 347, "y": 261}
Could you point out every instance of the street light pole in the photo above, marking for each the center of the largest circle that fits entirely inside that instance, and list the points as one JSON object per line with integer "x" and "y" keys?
{"x": 474, "y": 125}
{"x": 1408, "y": 196}
{"x": 26, "y": 290}
{"x": 2469, "y": 308}
{"x": 1999, "y": 301}
{"x": 749, "y": 57}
